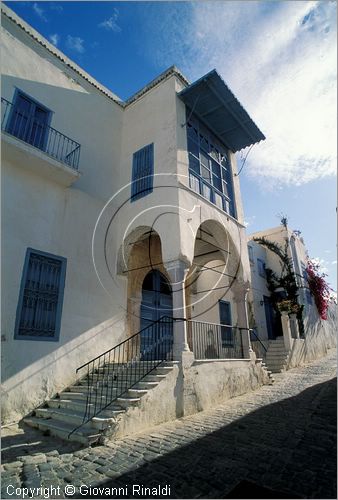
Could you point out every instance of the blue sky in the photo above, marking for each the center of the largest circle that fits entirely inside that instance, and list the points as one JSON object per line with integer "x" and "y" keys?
{"x": 279, "y": 59}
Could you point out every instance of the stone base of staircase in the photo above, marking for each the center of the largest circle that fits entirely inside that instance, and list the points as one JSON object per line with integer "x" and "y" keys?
{"x": 61, "y": 415}
{"x": 276, "y": 357}
{"x": 265, "y": 368}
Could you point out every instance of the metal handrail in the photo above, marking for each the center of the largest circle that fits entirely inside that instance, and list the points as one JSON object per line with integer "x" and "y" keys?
{"x": 29, "y": 129}
{"x": 251, "y": 330}
{"x": 124, "y": 341}
{"x": 215, "y": 341}
{"x": 114, "y": 372}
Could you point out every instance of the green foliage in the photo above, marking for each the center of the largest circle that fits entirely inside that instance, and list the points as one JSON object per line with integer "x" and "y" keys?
{"x": 287, "y": 277}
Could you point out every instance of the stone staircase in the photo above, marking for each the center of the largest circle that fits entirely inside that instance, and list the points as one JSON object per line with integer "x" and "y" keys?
{"x": 60, "y": 415}
{"x": 276, "y": 356}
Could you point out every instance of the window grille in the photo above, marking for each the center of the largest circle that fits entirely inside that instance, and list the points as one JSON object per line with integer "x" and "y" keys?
{"x": 143, "y": 172}
{"x": 41, "y": 296}
{"x": 209, "y": 166}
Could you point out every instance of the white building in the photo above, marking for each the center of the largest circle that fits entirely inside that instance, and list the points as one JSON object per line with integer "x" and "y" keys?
{"x": 115, "y": 214}
{"x": 317, "y": 335}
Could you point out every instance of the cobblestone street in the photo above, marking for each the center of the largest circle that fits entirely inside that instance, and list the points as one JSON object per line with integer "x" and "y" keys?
{"x": 279, "y": 441}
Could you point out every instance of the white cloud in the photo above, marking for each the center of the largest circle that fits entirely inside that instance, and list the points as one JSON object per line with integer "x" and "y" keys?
{"x": 54, "y": 39}
{"x": 110, "y": 24}
{"x": 334, "y": 262}
{"x": 75, "y": 43}
{"x": 39, "y": 11}
{"x": 322, "y": 264}
{"x": 249, "y": 220}
{"x": 279, "y": 58}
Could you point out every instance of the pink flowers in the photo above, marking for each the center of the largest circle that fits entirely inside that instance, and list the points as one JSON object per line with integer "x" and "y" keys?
{"x": 318, "y": 287}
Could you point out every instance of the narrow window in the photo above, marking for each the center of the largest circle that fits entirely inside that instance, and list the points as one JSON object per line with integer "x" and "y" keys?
{"x": 251, "y": 257}
{"x": 41, "y": 296}
{"x": 143, "y": 172}
{"x": 225, "y": 320}
{"x": 261, "y": 268}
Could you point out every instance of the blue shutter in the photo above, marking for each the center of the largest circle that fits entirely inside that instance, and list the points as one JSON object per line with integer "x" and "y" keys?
{"x": 225, "y": 319}
{"x": 41, "y": 294}
{"x": 143, "y": 172}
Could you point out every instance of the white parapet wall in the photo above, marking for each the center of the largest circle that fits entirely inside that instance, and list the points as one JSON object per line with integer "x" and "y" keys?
{"x": 188, "y": 390}
{"x": 320, "y": 336}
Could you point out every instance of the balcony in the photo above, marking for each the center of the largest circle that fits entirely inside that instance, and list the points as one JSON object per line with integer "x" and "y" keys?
{"x": 27, "y": 128}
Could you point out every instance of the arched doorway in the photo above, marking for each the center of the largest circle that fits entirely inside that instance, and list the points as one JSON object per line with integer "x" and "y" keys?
{"x": 156, "y": 303}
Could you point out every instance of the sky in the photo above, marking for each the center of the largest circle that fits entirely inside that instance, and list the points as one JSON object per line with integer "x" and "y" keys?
{"x": 278, "y": 58}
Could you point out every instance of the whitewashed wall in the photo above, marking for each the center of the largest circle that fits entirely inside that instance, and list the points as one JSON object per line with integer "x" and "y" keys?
{"x": 41, "y": 213}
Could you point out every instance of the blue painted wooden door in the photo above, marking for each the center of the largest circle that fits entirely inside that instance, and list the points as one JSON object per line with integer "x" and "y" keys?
{"x": 270, "y": 317}
{"x": 156, "y": 303}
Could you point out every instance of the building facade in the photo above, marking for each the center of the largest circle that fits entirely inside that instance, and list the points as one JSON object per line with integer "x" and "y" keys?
{"x": 115, "y": 213}
{"x": 309, "y": 336}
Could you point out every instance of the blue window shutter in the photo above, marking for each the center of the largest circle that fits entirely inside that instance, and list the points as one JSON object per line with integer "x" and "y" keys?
{"x": 41, "y": 297}
{"x": 225, "y": 312}
{"x": 143, "y": 172}
{"x": 225, "y": 319}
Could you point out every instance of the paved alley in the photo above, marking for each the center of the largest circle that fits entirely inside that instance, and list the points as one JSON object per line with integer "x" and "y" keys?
{"x": 276, "y": 442}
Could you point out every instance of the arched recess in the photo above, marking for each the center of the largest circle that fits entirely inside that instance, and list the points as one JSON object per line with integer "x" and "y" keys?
{"x": 140, "y": 254}
{"x": 216, "y": 267}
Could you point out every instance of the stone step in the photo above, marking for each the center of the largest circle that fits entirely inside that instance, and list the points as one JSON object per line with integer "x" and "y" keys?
{"x": 65, "y": 412}
{"x": 74, "y": 418}
{"x": 126, "y": 402}
{"x": 79, "y": 405}
{"x": 275, "y": 355}
{"x": 154, "y": 378}
{"x": 62, "y": 430}
{"x": 277, "y": 368}
{"x": 136, "y": 393}
{"x": 83, "y": 396}
{"x": 146, "y": 384}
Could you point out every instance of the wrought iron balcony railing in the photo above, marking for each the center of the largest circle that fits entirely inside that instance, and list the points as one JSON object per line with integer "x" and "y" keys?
{"x": 214, "y": 341}
{"x": 43, "y": 137}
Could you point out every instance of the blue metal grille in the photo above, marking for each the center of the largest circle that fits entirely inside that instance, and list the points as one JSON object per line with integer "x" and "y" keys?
{"x": 143, "y": 171}
{"x": 28, "y": 123}
{"x": 40, "y": 300}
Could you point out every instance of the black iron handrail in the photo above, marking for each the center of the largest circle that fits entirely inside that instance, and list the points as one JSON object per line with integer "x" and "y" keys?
{"x": 215, "y": 341}
{"x": 111, "y": 374}
{"x": 257, "y": 337}
{"x": 38, "y": 134}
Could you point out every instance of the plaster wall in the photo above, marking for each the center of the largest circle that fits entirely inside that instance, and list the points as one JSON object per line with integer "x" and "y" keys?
{"x": 321, "y": 335}
{"x": 46, "y": 217}
{"x": 258, "y": 291}
{"x": 189, "y": 390}
{"x": 209, "y": 383}
{"x": 161, "y": 404}
{"x": 42, "y": 213}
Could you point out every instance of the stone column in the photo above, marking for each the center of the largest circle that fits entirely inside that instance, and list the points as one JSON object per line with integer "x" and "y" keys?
{"x": 240, "y": 290}
{"x": 293, "y": 318}
{"x": 286, "y": 331}
{"x": 177, "y": 271}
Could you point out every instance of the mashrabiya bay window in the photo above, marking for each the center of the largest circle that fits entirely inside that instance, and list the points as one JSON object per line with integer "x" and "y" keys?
{"x": 209, "y": 167}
